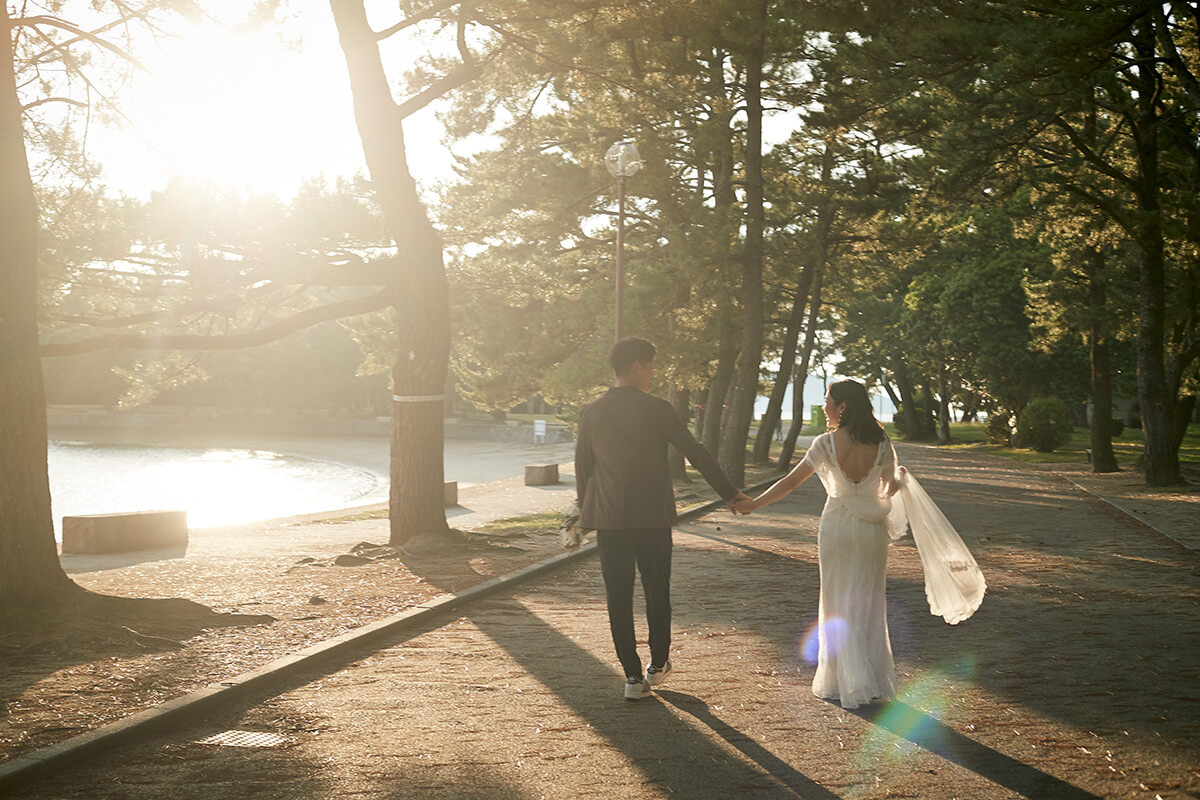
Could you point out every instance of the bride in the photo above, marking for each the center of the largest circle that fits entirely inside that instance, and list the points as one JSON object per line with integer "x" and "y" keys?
{"x": 869, "y": 498}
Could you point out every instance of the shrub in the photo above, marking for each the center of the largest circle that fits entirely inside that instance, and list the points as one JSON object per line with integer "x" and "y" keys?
{"x": 999, "y": 428}
{"x": 1118, "y": 427}
{"x": 1044, "y": 425}
{"x": 924, "y": 423}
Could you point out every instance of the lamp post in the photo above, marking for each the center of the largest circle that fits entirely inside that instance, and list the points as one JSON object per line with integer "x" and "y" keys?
{"x": 622, "y": 161}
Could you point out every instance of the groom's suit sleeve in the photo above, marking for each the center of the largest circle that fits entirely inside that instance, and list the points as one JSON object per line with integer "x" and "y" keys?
{"x": 679, "y": 435}
{"x": 584, "y": 457}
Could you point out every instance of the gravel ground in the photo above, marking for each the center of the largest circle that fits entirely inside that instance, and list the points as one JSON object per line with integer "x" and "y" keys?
{"x": 1076, "y": 679}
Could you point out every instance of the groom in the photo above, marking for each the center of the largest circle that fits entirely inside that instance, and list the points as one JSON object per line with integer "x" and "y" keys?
{"x": 626, "y": 495}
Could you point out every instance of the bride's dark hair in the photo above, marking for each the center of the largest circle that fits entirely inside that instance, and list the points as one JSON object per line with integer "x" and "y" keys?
{"x": 859, "y": 418}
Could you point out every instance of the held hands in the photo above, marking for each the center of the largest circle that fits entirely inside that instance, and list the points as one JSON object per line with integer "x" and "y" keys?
{"x": 742, "y": 503}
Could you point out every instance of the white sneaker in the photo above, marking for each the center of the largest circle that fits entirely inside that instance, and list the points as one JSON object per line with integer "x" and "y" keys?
{"x": 636, "y": 688}
{"x": 658, "y": 675}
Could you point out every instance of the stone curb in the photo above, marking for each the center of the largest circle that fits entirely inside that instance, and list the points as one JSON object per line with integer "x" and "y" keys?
{"x": 1129, "y": 513}
{"x": 346, "y": 647}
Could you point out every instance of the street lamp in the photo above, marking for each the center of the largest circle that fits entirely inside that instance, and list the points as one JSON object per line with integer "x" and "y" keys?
{"x": 622, "y": 161}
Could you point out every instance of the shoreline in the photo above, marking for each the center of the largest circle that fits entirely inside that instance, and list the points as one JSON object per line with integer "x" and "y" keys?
{"x": 469, "y": 462}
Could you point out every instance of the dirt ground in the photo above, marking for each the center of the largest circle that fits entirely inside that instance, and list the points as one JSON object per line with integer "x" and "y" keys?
{"x": 1078, "y": 677}
{"x": 60, "y": 678}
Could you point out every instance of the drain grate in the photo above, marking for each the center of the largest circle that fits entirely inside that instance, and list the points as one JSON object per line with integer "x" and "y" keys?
{"x": 244, "y": 739}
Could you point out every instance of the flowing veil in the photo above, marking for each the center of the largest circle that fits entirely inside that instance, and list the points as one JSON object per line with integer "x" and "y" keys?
{"x": 954, "y": 584}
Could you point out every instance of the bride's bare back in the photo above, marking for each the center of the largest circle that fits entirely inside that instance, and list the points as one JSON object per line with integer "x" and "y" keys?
{"x": 855, "y": 458}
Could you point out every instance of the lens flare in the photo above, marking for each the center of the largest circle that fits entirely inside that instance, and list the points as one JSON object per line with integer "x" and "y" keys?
{"x": 833, "y": 633}
{"x": 914, "y": 719}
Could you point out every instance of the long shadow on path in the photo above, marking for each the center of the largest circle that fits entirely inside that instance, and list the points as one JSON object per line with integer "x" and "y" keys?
{"x": 791, "y": 777}
{"x": 668, "y": 751}
{"x": 926, "y": 732}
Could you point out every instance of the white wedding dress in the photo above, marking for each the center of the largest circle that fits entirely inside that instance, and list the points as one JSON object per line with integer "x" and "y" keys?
{"x": 854, "y": 662}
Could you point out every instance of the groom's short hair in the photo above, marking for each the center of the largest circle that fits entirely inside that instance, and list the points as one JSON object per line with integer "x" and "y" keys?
{"x": 625, "y": 352}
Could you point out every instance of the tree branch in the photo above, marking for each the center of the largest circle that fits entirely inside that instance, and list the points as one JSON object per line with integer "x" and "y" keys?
{"x": 55, "y": 22}
{"x": 83, "y": 76}
{"x": 228, "y": 341}
{"x": 45, "y": 100}
{"x": 442, "y": 86}
{"x": 124, "y": 19}
{"x": 1174, "y": 60}
{"x": 1106, "y": 206}
{"x": 1090, "y": 155}
{"x": 420, "y": 16}
{"x": 464, "y": 52}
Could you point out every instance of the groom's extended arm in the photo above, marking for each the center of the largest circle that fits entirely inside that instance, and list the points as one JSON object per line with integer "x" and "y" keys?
{"x": 584, "y": 458}
{"x": 679, "y": 435}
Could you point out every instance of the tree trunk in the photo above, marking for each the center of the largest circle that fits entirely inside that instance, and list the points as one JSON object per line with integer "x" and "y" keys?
{"x": 891, "y": 393}
{"x": 970, "y": 407}
{"x": 908, "y": 399}
{"x": 718, "y": 388}
{"x": 681, "y": 400}
{"x": 928, "y": 415}
{"x": 787, "y": 361}
{"x": 1103, "y": 458}
{"x": 1157, "y": 399}
{"x": 29, "y": 568}
{"x": 1184, "y": 408}
{"x": 723, "y": 200}
{"x": 943, "y": 429}
{"x": 741, "y": 411}
{"x": 810, "y": 340}
{"x": 422, "y": 296}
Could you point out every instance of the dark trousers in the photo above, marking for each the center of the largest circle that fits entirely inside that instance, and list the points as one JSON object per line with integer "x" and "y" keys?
{"x": 649, "y": 551}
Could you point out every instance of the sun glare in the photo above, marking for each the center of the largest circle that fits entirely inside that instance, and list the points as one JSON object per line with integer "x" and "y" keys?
{"x": 239, "y": 108}
{"x": 260, "y": 109}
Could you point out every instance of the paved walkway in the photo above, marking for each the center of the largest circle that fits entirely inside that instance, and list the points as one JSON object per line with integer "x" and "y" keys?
{"x": 1076, "y": 679}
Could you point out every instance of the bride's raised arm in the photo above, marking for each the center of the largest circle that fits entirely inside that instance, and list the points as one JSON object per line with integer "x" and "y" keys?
{"x": 784, "y": 486}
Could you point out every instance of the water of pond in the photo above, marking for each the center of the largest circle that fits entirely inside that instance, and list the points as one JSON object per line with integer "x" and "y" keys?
{"x": 215, "y": 486}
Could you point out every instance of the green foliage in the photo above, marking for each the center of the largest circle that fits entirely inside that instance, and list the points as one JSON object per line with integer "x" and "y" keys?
{"x": 924, "y": 421}
{"x": 999, "y": 428}
{"x": 1044, "y": 425}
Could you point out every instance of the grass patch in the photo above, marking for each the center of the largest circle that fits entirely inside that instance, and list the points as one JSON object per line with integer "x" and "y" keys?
{"x": 544, "y": 521}
{"x": 547, "y": 520}
{"x": 551, "y": 419}
{"x": 376, "y": 513}
{"x": 1127, "y": 447}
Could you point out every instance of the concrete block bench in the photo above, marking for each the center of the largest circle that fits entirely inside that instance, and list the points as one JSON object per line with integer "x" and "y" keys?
{"x": 450, "y": 493}
{"x": 91, "y": 534}
{"x": 541, "y": 474}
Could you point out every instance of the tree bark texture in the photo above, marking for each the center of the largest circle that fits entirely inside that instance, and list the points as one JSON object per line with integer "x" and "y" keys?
{"x": 1156, "y": 397}
{"x": 1103, "y": 458}
{"x": 943, "y": 429}
{"x": 908, "y": 399}
{"x": 784, "y": 461}
{"x": 787, "y": 361}
{"x": 29, "y": 568}
{"x": 718, "y": 388}
{"x": 421, "y": 292}
{"x": 741, "y": 411}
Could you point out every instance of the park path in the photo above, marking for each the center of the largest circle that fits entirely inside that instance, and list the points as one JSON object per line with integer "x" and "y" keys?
{"x": 1077, "y": 678}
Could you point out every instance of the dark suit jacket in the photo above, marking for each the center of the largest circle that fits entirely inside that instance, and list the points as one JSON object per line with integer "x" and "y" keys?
{"x": 621, "y": 469}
